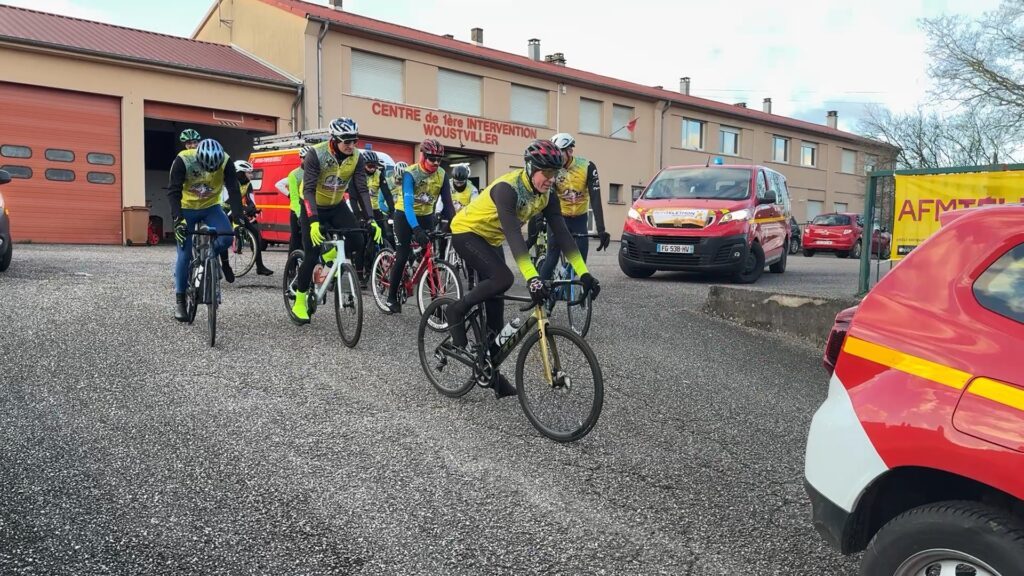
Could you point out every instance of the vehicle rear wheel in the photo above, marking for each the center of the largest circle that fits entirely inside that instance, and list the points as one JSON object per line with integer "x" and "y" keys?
{"x": 808, "y": 253}
{"x": 634, "y": 271}
{"x": 780, "y": 266}
{"x": 753, "y": 266}
{"x": 955, "y": 538}
{"x": 855, "y": 253}
{"x": 794, "y": 245}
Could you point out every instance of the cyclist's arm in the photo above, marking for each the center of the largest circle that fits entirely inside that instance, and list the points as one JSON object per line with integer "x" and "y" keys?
{"x": 566, "y": 243}
{"x": 385, "y": 193}
{"x": 174, "y": 186}
{"x": 234, "y": 192}
{"x": 532, "y": 231}
{"x": 504, "y": 197}
{"x": 362, "y": 190}
{"x": 310, "y": 174}
{"x": 408, "y": 187}
{"x": 284, "y": 185}
{"x": 448, "y": 211}
{"x": 594, "y": 185}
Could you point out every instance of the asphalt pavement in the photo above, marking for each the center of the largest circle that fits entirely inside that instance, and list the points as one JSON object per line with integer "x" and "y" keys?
{"x": 127, "y": 446}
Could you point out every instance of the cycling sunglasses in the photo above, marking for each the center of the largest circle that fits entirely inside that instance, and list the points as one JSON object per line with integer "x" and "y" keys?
{"x": 434, "y": 159}
{"x": 347, "y": 140}
{"x": 550, "y": 172}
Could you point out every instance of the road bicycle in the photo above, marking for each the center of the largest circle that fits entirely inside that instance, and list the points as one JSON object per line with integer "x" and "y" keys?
{"x": 557, "y": 376}
{"x": 426, "y": 276}
{"x": 204, "y": 274}
{"x": 337, "y": 275}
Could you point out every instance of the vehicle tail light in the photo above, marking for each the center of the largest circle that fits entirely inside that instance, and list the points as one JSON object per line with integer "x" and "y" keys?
{"x": 836, "y": 337}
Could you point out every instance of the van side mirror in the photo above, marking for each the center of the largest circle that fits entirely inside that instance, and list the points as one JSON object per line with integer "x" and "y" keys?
{"x": 5, "y": 177}
{"x": 769, "y": 198}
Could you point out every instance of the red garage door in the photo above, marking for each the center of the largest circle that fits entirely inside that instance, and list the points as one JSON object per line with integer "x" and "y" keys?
{"x": 63, "y": 150}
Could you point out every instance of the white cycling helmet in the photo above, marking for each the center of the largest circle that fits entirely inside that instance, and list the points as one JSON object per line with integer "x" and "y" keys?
{"x": 344, "y": 129}
{"x": 400, "y": 168}
{"x": 563, "y": 140}
{"x": 242, "y": 166}
{"x": 304, "y": 150}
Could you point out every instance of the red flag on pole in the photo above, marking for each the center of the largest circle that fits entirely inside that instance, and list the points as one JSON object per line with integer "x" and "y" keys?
{"x": 631, "y": 125}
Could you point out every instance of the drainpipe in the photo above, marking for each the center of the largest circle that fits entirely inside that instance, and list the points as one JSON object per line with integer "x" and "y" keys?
{"x": 661, "y": 141}
{"x": 319, "y": 75}
{"x": 296, "y": 117}
{"x": 558, "y": 108}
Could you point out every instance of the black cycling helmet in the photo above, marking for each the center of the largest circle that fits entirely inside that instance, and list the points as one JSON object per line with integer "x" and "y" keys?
{"x": 543, "y": 155}
{"x": 370, "y": 158}
{"x": 460, "y": 174}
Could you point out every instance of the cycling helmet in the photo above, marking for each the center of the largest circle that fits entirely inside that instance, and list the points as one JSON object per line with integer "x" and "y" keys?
{"x": 370, "y": 158}
{"x": 400, "y": 169}
{"x": 542, "y": 155}
{"x": 460, "y": 173}
{"x": 189, "y": 135}
{"x": 563, "y": 140}
{"x": 431, "y": 147}
{"x": 344, "y": 129}
{"x": 210, "y": 154}
{"x": 304, "y": 150}
{"x": 242, "y": 166}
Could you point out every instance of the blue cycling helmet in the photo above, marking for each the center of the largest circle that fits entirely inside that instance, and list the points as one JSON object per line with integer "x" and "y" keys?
{"x": 370, "y": 158}
{"x": 210, "y": 154}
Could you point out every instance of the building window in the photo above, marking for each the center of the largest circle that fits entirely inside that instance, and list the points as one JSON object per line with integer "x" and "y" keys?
{"x": 458, "y": 92}
{"x": 376, "y": 76}
{"x": 849, "y": 164}
{"x": 999, "y": 288}
{"x": 100, "y": 177}
{"x": 621, "y": 117}
{"x": 637, "y": 191}
{"x": 693, "y": 134}
{"x": 814, "y": 209}
{"x": 12, "y": 151}
{"x": 60, "y": 175}
{"x": 60, "y": 155}
{"x": 23, "y": 172}
{"x": 870, "y": 162}
{"x": 808, "y": 154}
{"x": 100, "y": 158}
{"x": 780, "y": 149}
{"x": 614, "y": 190}
{"x": 529, "y": 105}
{"x": 729, "y": 140}
{"x": 590, "y": 116}
{"x": 841, "y": 206}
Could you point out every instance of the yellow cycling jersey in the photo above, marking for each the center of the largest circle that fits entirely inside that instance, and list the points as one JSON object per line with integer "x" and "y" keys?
{"x": 571, "y": 188}
{"x": 334, "y": 176}
{"x": 201, "y": 188}
{"x": 481, "y": 216}
{"x": 373, "y": 182}
{"x": 461, "y": 199}
{"x": 426, "y": 189}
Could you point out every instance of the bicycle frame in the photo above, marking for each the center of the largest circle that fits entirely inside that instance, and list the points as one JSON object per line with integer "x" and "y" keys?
{"x": 337, "y": 243}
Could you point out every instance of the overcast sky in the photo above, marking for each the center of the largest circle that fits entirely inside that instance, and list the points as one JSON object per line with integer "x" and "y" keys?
{"x": 808, "y": 57}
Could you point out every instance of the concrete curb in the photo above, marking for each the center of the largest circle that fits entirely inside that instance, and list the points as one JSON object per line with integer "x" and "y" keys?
{"x": 806, "y": 317}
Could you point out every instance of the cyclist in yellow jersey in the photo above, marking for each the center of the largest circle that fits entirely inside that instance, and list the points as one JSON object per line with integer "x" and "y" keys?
{"x": 291, "y": 186}
{"x": 578, "y": 189}
{"x": 244, "y": 172}
{"x": 331, "y": 169}
{"x": 380, "y": 192}
{"x": 422, "y": 183}
{"x": 197, "y": 176}
{"x": 497, "y": 216}
{"x": 190, "y": 138}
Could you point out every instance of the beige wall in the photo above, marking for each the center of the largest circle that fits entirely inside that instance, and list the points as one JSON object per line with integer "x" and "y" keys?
{"x": 134, "y": 86}
{"x": 269, "y": 33}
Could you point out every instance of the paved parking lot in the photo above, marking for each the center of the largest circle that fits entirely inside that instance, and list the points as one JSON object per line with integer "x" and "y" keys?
{"x": 127, "y": 446}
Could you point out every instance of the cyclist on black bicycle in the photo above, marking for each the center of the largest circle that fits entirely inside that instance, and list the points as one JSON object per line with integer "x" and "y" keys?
{"x": 578, "y": 188}
{"x": 244, "y": 171}
{"x": 497, "y": 216}
{"x": 329, "y": 170}
{"x": 197, "y": 176}
{"x": 422, "y": 183}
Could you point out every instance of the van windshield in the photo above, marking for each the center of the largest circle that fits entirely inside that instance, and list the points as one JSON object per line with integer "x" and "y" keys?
{"x": 706, "y": 183}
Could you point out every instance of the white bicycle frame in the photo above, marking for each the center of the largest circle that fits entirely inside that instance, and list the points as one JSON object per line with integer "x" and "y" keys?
{"x": 335, "y": 271}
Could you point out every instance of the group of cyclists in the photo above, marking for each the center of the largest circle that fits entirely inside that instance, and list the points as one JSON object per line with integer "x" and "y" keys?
{"x": 554, "y": 184}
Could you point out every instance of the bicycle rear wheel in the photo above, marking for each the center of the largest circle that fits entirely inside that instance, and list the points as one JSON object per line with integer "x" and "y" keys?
{"x": 348, "y": 305}
{"x": 579, "y": 314}
{"x": 291, "y": 272}
{"x": 448, "y": 374}
{"x": 212, "y": 281}
{"x": 439, "y": 281}
{"x": 379, "y": 277}
{"x": 566, "y": 409}
{"x": 243, "y": 252}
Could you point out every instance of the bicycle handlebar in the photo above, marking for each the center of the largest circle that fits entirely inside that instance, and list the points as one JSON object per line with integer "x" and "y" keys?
{"x": 344, "y": 231}
{"x": 550, "y": 284}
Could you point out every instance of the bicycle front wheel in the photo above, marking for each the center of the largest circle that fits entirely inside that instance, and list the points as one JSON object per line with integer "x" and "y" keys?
{"x": 565, "y": 402}
{"x": 439, "y": 281}
{"x": 243, "y": 252}
{"x": 380, "y": 275}
{"x": 579, "y": 314}
{"x": 212, "y": 281}
{"x": 449, "y": 375}
{"x": 348, "y": 305}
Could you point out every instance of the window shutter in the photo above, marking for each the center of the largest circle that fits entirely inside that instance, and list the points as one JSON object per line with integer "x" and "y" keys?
{"x": 376, "y": 76}
{"x": 529, "y": 105}
{"x": 590, "y": 116}
{"x": 458, "y": 92}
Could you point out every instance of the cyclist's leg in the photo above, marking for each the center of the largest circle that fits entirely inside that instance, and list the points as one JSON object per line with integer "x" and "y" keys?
{"x": 403, "y": 237}
{"x": 578, "y": 225}
{"x": 295, "y": 237}
{"x": 260, "y": 267}
{"x": 551, "y": 258}
{"x": 185, "y": 252}
{"x": 341, "y": 216}
{"x": 494, "y": 279}
{"x": 310, "y": 257}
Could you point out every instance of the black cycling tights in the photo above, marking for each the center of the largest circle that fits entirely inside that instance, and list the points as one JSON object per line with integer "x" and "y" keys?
{"x": 494, "y": 277}
{"x": 403, "y": 248}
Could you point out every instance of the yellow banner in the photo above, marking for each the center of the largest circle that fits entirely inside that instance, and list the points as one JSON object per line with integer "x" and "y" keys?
{"x": 920, "y": 200}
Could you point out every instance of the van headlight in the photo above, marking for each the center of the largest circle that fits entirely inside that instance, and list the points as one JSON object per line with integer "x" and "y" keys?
{"x": 737, "y": 216}
{"x": 632, "y": 213}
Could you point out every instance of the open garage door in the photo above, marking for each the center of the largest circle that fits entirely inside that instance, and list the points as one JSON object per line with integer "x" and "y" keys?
{"x": 63, "y": 150}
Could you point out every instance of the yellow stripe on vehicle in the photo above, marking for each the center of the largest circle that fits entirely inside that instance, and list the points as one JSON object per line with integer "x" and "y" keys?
{"x": 268, "y": 154}
{"x": 903, "y": 362}
{"x": 772, "y": 219}
{"x": 283, "y": 206}
{"x": 998, "y": 392}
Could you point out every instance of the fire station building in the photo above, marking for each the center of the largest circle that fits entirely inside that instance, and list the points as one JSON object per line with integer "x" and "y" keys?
{"x": 98, "y": 109}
